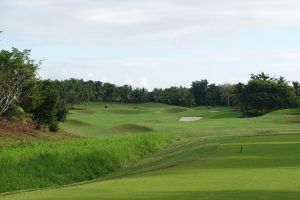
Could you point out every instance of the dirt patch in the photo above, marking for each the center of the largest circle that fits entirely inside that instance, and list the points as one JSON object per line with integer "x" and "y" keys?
{"x": 132, "y": 128}
{"x": 175, "y": 110}
{"x": 190, "y": 119}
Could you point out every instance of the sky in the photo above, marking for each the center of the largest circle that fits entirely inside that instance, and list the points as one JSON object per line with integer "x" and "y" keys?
{"x": 156, "y": 43}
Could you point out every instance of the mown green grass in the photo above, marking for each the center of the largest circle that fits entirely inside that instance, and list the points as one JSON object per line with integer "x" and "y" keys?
{"x": 268, "y": 168}
{"x": 93, "y": 119}
{"x": 43, "y": 164}
{"x": 205, "y": 163}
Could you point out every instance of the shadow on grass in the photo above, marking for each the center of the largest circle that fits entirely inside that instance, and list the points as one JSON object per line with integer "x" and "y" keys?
{"x": 133, "y": 128}
{"x": 74, "y": 122}
{"x": 126, "y": 112}
{"x": 82, "y": 111}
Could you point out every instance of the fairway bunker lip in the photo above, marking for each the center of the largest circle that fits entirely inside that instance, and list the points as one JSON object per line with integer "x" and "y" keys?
{"x": 190, "y": 119}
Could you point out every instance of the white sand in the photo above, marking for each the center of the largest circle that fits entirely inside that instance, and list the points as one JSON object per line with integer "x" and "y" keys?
{"x": 213, "y": 111}
{"x": 189, "y": 119}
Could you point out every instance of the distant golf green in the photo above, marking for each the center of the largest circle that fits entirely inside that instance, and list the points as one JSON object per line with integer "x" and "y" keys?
{"x": 204, "y": 161}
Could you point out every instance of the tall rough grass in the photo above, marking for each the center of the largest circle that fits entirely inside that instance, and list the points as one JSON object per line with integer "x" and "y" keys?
{"x": 56, "y": 163}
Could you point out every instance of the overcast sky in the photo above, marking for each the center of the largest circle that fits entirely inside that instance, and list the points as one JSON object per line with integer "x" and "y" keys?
{"x": 156, "y": 43}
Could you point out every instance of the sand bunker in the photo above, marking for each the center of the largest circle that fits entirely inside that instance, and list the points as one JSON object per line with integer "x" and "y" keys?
{"x": 213, "y": 111}
{"x": 189, "y": 119}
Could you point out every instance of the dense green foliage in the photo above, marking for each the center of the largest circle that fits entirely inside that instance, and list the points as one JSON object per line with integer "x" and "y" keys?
{"x": 17, "y": 76}
{"x": 296, "y": 86}
{"x": 260, "y": 95}
{"x": 51, "y": 109}
{"x": 23, "y": 95}
{"x": 179, "y": 96}
{"x": 263, "y": 96}
{"x": 44, "y": 164}
{"x": 199, "y": 90}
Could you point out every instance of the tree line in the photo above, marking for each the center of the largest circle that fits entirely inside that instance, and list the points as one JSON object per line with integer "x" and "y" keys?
{"x": 47, "y": 102}
{"x": 260, "y": 95}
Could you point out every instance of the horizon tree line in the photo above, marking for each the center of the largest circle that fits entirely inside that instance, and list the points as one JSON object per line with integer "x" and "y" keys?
{"x": 47, "y": 101}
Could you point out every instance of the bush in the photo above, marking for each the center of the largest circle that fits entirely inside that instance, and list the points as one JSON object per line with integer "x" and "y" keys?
{"x": 54, "y": 126}
{"x": 15, "y": 112}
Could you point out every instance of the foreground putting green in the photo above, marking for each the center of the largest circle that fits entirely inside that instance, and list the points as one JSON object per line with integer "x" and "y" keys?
{"x": 206, "y": 161}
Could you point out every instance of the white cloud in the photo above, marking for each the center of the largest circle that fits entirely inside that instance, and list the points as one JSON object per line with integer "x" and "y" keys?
{"x": 112, "y": 17}
{"x": 156, "y": 43}
{"x": 99, "y": 21}
{"x": 151, "y": 72}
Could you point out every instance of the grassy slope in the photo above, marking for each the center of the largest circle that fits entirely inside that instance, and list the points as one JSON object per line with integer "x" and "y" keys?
{"x": 269, "y": 168}
{"x": 42, "y": 164}
{"x": 205, "y": 164}
{"x": 94, "y": 119}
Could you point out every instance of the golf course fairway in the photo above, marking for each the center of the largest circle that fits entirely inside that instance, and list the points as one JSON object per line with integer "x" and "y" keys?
{"x": 220, "y": 157}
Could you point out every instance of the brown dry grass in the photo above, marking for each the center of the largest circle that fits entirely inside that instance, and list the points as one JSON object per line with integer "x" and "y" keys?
{"x": 7, "y": 128}
{"x": 20, "y": 130}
